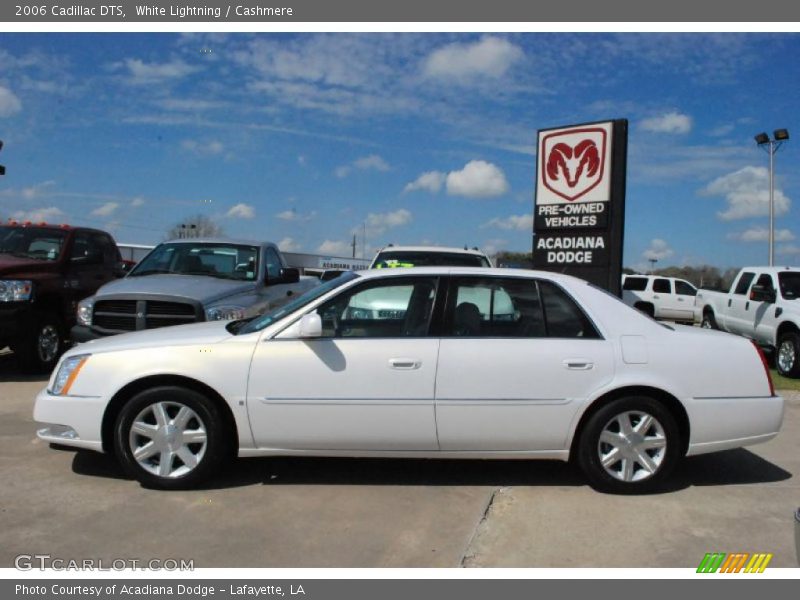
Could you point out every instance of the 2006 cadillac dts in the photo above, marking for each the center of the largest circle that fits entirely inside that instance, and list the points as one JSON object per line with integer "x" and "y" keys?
{"x": 428, "y": 362}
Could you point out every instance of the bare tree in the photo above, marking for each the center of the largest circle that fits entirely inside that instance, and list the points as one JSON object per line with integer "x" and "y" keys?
{"x": 194, "y": 227}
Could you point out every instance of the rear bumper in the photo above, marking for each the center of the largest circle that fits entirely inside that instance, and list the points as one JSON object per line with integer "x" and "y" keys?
{"x": 70, "y": 420}
{"x": 725, "y": 423}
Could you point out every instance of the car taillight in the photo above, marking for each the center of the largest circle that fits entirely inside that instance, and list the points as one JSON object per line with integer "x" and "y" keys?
{"x": 766, "y": 368}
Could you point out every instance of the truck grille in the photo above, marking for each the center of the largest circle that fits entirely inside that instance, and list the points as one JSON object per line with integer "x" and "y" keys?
{"x": 117, "y": 316}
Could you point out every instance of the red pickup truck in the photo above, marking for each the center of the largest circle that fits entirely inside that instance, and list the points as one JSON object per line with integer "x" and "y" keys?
{"x": 45, "y": 270}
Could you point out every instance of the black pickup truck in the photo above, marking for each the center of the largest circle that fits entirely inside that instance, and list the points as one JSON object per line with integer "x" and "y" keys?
{"x": 45, "y": 270}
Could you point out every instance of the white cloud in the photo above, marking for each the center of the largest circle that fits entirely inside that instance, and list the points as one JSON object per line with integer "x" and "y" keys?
{"x": 37, "y": 191}
{"x": 430, "y": 181}
{"x": 137, "y": 202}
{"x": 478, "y": 179}
{"x": 142, "y": 73}
{"x": 106, "y": 210}
{"x": 292, "y": 215}
{"x": 10, "y": 104}
{"x": 489, "y": 57}
{"x": 493, "y": 246}
{"x": 672, "y": 122}
{"x": 335, "y": 248}
{"x": 788, "y": 250}
{"x": 39, "y": 214}
{"x": 241, "y": 211}
{"x": 747, "y": 193}
{"x": 209, "y": 148}
{"x": 658, "y": 250}
{"x": 377, "y": 223}
{"x": 288, "y": 244}
{"x": 517, "y": 222}
{"x": 373, "y": 162}
{"x": 761, "y": 234}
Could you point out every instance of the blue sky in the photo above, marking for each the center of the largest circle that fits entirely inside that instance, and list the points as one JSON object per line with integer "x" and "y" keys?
{"x": 416, "y": 137}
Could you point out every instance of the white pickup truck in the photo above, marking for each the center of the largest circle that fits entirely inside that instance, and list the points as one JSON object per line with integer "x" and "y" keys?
{"x": 660, "y": 297}
{"x": 761, "y": 305}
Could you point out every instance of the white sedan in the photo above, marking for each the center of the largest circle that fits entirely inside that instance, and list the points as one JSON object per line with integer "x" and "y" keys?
{"x": 428, "y": 362}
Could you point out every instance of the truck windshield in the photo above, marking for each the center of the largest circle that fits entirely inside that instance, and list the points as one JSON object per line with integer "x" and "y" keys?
{"x": 41, "y": 243}
{"x": 275, "y": 315}
{"x": 226, "y": 261}
{"x": 390, "y": 259}
{"x": 790, "y": 285}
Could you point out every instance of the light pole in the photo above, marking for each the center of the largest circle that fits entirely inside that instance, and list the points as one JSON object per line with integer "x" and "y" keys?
{"x": 771, "y": 146}
{"x": 653, "y": 262}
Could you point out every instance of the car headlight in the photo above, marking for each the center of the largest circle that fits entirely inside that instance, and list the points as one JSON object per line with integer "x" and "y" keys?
{"x": 225, "y": 313}
{"x": 67, "y": 373}
{"x": 84, "y": 312}
{"x": 15, "y": 290}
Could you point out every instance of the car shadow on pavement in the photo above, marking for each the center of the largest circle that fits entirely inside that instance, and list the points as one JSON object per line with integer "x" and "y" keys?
{"x": 731, "y": 467}
{"x": 10, "y": 370}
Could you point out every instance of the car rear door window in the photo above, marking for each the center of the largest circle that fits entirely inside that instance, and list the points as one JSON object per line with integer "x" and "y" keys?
{"x": 563, "y": 317}
{"x": 662, "y": 286}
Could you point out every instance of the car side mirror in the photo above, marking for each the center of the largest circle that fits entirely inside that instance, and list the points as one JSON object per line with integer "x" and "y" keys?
{"x": 759, "y": 293}
{"x": 290, "y": 275}
{"x": 311, "y": 326}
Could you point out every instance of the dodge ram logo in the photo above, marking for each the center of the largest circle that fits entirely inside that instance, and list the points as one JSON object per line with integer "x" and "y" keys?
{"x": 573, "y": 161}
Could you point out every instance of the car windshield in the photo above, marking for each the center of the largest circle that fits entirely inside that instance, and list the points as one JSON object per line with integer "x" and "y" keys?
{"x": 226, "y": 261}
{"x": 790, "y": 285}
{"x": 409, "y": 258}
{"x": 41, "y": 243}
{"x": 273, "y": 316}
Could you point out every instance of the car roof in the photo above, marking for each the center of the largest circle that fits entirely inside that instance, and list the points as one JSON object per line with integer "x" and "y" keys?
{"x": 478, "y": 271}
{"x": 217, "y": 240}
{"x": 453, "y": 249}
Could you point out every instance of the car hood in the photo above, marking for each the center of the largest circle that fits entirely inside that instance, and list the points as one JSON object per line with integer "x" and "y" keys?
{"x": 200, "y": 288}
{"x": 211, "y": 332}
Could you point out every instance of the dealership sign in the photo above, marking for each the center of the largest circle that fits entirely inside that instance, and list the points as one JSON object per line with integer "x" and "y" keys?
{"x": 580, "y": 199}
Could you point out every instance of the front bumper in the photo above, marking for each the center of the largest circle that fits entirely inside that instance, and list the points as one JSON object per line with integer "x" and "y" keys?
{"x": 80, "y": 334}
{"x": 70, "y": 420}
{"x": 16, "y": 321}
{"x": 725, "y": 423}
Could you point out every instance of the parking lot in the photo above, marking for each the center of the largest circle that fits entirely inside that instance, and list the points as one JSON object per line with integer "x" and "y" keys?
{"x": 389, "y": 513}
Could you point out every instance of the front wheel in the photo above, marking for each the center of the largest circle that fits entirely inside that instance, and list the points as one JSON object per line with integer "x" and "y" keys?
{"x": 708, "y": 322}
{"x": 170, "y": 437}
{"x": 787, "y": 358}
{"x": 39, "y": 351}
{"x": 629, "y": 446}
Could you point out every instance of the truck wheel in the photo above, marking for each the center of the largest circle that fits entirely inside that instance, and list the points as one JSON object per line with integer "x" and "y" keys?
{"x": 629, "y": 446}
{"x": 646, "y": 308}
{"x": 170, "y": 438}
{"x": 708, "y": 322}
{"x": 787, "y": 356}
{"x": 40, "y": 351}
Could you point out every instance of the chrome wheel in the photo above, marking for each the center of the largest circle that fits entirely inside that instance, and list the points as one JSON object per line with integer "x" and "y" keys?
{"x": 786, "y": 356}
{"x": 632, "y": 446}
{"x": 47, "y": 343}
{"x": 168, "y": 439}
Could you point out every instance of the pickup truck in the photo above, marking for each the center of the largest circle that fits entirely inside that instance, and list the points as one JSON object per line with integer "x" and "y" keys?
{"x": 45, "y": 270}
{"x": 190, "y": 280}
{"x": 761, "y": 305}
{"x": 660, "y": 297}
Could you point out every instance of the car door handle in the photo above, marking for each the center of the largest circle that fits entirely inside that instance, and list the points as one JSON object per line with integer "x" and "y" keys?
{"x": 578, "y": 364}
{"x": 680, "y": 299}
{"x": 404, "y": 364}
{"x": 656, "y": 297}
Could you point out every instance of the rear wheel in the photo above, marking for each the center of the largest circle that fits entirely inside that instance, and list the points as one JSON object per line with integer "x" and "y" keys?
{"x": 170, "y": 437}
{"x": 646, "y": 308}
{"x": 629, "y": 446}
{"x": 40, "y": 350}
{"x": 787, "y": 355}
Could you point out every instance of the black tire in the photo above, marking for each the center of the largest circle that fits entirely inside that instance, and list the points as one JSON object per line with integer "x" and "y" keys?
{"x": 662, "y": 459}
{"x": 206, "y": 417}
{"x": 39, "y": 351}
{"x": 787, "y": 355}
{"x": 647, "y": 309}
{"x": 709, "y": 321}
